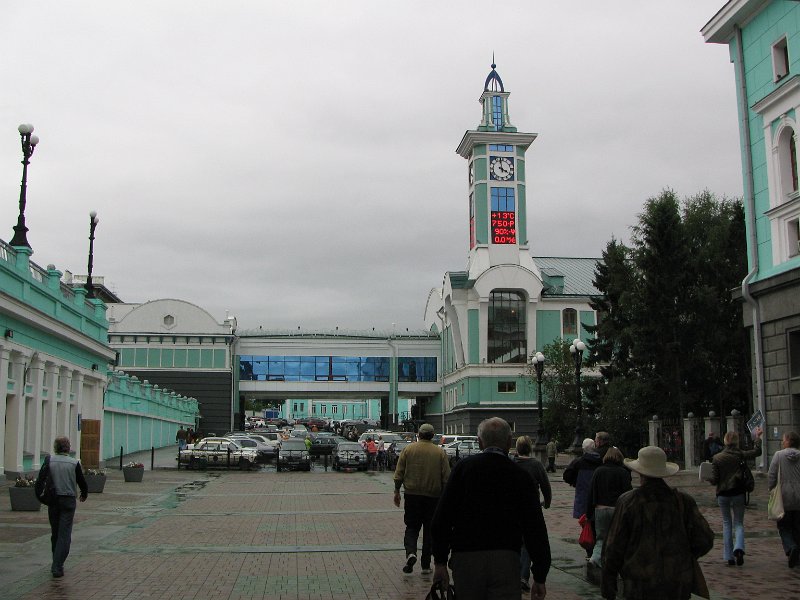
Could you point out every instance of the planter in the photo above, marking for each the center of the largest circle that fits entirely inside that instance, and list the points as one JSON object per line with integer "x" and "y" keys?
{"x": 133, "y": 474}
{"x": 24, "y": 498}
{"x": 96, "y": 483}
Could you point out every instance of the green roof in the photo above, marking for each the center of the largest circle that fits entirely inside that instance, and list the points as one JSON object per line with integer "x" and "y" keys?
{"x": 578, "y": 274}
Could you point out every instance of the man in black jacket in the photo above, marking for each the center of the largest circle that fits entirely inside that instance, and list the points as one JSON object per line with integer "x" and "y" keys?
{"x": 488, "y": 507}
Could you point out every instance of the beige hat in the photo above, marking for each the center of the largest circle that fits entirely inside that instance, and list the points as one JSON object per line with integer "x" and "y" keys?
{"x": 652, "y": 462}
{"x": 426, "y": 428}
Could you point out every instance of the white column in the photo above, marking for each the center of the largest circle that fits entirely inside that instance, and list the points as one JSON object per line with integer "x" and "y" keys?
{"x": 5, "y": 362}
{"x": 33, "y": 410}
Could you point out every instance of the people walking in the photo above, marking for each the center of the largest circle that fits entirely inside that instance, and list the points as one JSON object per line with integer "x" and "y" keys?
{"x": 536, "y": 470}
{"x": 181, "y": 437}
{"x": 609, "y": 482}
{"x": 726, "y": 475}
{"x": 488, "y": 508}
{"x": 579, "y": 475}
{"x": 602, "y": 443}
{"x": 551, "y": 449}
{"x": 656, "y": 536}
{"x": 67, "y": 477}
{"x": 422, "y": 470}
{"x": 372, "y": 453}
{"x": 785, "y": 465}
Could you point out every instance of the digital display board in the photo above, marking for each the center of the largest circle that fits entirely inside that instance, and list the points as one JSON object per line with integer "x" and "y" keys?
{"x": 504, "y": 227}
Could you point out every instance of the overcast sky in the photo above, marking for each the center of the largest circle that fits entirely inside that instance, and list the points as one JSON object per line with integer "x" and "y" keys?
{"x": 294, "y": 162}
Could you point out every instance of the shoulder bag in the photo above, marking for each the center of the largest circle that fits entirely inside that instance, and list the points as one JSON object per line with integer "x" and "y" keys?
{"x": 775, "y": 510}
{"x": 746, "y": 477}
{"x": 44, "y": 489}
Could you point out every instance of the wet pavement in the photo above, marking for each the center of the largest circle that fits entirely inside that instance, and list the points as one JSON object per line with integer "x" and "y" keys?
{"x": 209, "y": 535}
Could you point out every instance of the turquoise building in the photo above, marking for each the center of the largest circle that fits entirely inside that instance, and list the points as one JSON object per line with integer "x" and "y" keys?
{"x": 506, "y": 304}
{"x": 764, "y": 42}
{"x": 54, "y": 370}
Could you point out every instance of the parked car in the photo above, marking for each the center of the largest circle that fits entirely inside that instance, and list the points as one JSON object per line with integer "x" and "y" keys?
{"x": 458, "y": 450}
{"x": 214, "y": 451}
{"x": 446, "y": 439}
{"x": 271, "y": 438}
{"x": 349, "y": 455}
{"x": 325, "y": 444}
{"x": 293, "y": 455}
{"x": 264, "y": 452}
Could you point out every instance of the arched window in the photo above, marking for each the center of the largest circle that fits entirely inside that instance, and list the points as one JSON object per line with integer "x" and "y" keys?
{"x": 787, "y": 161}
{"x": 507, "y": 341}
{"x": 569, "y": 322}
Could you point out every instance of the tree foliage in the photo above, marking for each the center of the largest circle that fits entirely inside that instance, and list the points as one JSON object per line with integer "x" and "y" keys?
{"x": 670, "y": 338}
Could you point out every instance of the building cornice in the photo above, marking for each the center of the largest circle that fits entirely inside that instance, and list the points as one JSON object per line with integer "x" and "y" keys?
{"x": 720, "y": 29}
{"x": 779, "y": 101}
{"x": 19, "y": 310}
{"x": 472, "y": 137}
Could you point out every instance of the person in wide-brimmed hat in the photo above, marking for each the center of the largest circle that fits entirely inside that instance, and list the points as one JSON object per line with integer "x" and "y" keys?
{"x": 655, "y": 537}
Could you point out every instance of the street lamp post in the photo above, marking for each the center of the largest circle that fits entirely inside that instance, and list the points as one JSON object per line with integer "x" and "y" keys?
{"x": 29, "y": 142}
{"x": 93, "y": 221}
{"x": 537, "y": 362}
{"x": 576, "y": 349}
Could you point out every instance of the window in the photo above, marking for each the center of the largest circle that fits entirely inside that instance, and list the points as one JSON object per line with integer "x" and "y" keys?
{"x": 787, "y": 163}
{"x": 507, "y": 341}
{"x": 313, "y": 408}
{"x": 169, "y": 321}
{"x": 472, "y": 240}
{"x": 497, "y": 112}
{"x": 569, "y": 317}
{"x": 780, "y": 59}
{"x": 334, "y": 409}
{"x": 503, "y": 199}
{"x": 501, "y": 147}
{"x": 794, "y": 354}
{"x": 506, "y": 387}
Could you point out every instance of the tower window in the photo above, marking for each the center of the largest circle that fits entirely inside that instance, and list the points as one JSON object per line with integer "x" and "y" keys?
{"x": 497, "y": 112}
{"x": 502, "y": 199}
{"x": 506, "y": 340}
{"x": 780, "y": 59}
{"x": 501, "y": 148}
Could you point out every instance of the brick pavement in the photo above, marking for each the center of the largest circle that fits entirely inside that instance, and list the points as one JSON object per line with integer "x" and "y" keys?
{"x": 182, "y": 535}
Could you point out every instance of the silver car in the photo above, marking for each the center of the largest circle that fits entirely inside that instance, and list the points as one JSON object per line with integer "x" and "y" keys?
{"x": 349, "y": 455}
{"x": 217, "y": 452}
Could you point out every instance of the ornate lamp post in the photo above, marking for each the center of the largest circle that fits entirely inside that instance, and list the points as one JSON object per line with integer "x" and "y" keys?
{"x": 29, "y": 142}
{"x": 576, "y": 349}
{"x": 93, "y": 221}
{"x": 537, "y": 362}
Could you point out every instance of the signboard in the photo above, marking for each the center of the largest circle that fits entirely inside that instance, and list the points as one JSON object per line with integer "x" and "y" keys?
{"x": 504, "y": 227}
{"x": 757, "y": 420}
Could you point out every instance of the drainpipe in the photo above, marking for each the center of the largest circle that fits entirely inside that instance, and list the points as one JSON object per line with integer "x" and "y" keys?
{"x": 749, "y": 198}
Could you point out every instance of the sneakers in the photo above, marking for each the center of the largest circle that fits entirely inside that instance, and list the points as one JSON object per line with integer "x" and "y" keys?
{"x": 411, "y": 560}
{"x": 739, "y": 555}
{"x": 426, "y": 570}
{"x": 526, "y": 587}
{"x": 794, "y": 557}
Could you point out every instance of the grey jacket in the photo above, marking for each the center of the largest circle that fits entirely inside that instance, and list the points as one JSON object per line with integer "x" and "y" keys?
{"x": 789, "y": 461}
{"x": 67, "y": 476}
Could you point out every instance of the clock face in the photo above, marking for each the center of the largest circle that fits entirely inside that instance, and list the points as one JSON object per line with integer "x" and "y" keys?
{"x": 501, "y": 168}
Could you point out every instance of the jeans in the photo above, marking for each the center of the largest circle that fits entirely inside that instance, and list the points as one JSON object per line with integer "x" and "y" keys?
{"x": 732, "y": 506}
{"x": 418, "y": 515}
{"x": 60, "y": 515}
{"x": 524, "y": 564}
{"x": 789, "y": 530}
{"x": 602, "y": 522}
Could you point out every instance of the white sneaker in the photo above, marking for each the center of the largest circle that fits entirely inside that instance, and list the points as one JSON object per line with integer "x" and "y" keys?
{"x": 427, "y": 571}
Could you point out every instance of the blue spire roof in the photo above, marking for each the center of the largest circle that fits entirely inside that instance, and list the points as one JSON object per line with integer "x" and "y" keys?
{"x": 493, "y": 81}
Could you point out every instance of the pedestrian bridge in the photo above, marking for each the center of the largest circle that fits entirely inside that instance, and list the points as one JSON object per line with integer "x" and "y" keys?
{"x": 399, "y": 369}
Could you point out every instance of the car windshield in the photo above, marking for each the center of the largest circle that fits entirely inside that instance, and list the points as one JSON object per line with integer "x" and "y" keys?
{"x": 349, "y": 446}
{"x": 293, "y": 445}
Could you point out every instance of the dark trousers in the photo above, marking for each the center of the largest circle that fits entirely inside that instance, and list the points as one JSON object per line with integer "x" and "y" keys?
{"x": 61, "y": 514}
{"x": 789, "y": 530}
{"x": 551, "y": 464}
{"x": 418, "y": 515}
{"x": 486, "y": 575}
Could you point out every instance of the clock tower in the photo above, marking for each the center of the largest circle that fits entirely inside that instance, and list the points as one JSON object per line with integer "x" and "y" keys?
{"x": 495, "y": 154}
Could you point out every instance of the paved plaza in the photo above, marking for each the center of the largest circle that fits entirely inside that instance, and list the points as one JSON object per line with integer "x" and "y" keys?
{"x": 216, "y": 535}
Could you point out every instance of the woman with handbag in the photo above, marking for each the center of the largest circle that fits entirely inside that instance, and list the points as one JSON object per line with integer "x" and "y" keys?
{"x": 608, "y": 483}
{"x": 729, "y": 477}
{"x": 784, "y": 470}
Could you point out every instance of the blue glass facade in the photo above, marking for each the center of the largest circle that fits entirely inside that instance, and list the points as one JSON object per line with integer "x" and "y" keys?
{"x": 334, "y": 368}
{"x": 497, "y": 112}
